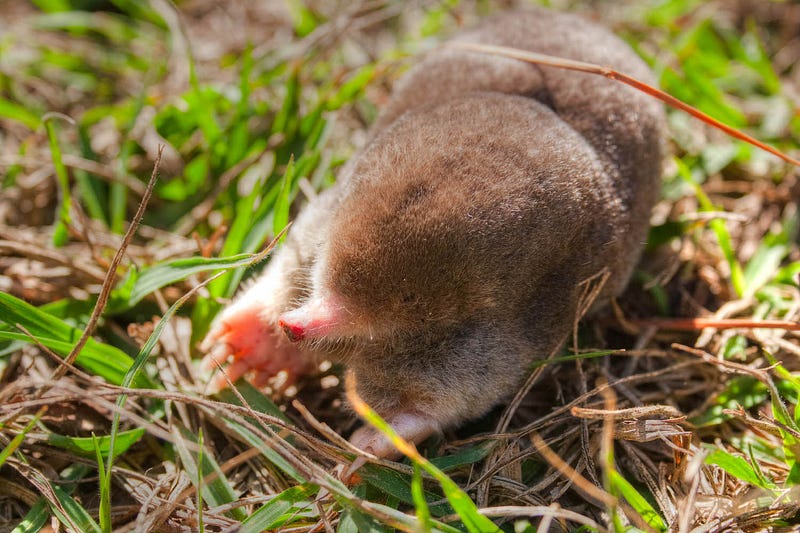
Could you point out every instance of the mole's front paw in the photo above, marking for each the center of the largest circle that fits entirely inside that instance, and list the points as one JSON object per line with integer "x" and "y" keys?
{"x": 243, "y": 343}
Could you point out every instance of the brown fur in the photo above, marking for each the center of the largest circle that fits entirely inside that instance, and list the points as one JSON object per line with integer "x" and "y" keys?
{"x": 459, "y": 237}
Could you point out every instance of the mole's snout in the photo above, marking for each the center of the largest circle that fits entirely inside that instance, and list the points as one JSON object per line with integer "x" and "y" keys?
{"x": 294, "y": 332}
{"x": 316, "y": 318}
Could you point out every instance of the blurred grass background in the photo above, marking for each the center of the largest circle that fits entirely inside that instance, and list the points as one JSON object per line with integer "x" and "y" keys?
{"x": 258, "y": 104}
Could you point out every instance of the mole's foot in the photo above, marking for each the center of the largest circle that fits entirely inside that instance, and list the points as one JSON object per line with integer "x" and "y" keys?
{"x": 412, "y": 426}
{"x": 244, "y": 344}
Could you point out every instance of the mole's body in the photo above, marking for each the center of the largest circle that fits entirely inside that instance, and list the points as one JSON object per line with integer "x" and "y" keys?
{"x": 451, "y": 253}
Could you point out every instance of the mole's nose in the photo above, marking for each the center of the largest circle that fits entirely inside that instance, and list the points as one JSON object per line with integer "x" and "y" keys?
{"x": 316, "y": 318}
{"x": 293, "y": 331}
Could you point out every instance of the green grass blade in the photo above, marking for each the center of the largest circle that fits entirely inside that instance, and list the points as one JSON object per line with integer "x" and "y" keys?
{"x": 461, "y": 502}
{"x": 420, "y": 504}
{"x": 104, "y": 482}
{"x": 399, "y": 486}
{"x": 285, "y": 122}
{"x": 90, "y": 189}
{"x": 223, "y": 287}
{"x": 280, "y": 217}
{"x": 724, "y": 240}
{"x": 39, "y": 513}
{"x": 779, "y": 410}
{"x": 280, "y": 510}
{"x": 118, "y": 192}
{"x": 141, "y": 11}
{"x": 303, "y": 18}
{"x": 249, "y": 231}
{"x": 246, "y": 220}
{"x": 200, "y": 106}
{"x": 411, "y": 522}
{"x": 765, "y": 262}
{"x": 756, "y": 467}
{"x": 740, "y": 391}
{"x": 12, "y": 111}
{"x": 16, "y": 311}
{"x": 790, "y": 274}
{"x": 87, "y": 447}
{"x": 254, "y": 398}
{"x": 217, "y": 491}
{"x": 61, "y": 231}
{"x": 35, "y": 519}
{"x": 353, "y": 87}
{"x": 200, "y": 483}
{"x": 354, "y": 521}
{"x": 79, "y": 22}
{"x": 76, "y": 514}
{"x": 719, "y": 228}
{"x": 749, "y": 50}
{"x": 101, "y": 359}
{"x": 738, "y": 467}
{"x": 133, "y": 372}
{"x": 793, "y": 478}
{"x": 259, "y": 403}
{"x": 271, "y": 455}
{"x": 238, "y": 139}
{"x": 572, "y": 357}
{"x": 151, "y": 278}
{"x": 467, "y": 456}
{"x": 621, "y": 486}
{"x": 15, "y": 442}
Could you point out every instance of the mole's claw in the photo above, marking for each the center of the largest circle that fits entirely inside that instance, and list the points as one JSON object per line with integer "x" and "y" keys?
{"x": 244, "y": 343}
{"x": 217, "y": 354}
{"x": 216, "y": 335}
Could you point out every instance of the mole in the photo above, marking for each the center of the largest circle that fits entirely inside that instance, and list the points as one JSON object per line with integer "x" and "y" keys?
{"x": 454, "y": 250}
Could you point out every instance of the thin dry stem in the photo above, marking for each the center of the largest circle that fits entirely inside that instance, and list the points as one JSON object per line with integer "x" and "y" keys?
{"x": 108, "y": 283}
{"x": 610, "y": 73}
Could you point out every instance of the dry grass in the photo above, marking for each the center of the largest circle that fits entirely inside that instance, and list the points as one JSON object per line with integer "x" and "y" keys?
{"x": 701, "y": 423}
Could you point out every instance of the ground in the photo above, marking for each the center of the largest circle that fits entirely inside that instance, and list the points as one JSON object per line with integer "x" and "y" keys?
{"x": 669, "y": 409}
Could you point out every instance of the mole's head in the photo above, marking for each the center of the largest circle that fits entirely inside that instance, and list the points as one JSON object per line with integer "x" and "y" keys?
{"x": 398, "y": 257}
{"x": 410, "y": 243}
{"x": 435, "y": 216}
{"x": 403, "y": 263}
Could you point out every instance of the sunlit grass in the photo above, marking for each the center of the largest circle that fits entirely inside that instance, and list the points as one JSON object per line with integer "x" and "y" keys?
{"x": 245, "y": 143}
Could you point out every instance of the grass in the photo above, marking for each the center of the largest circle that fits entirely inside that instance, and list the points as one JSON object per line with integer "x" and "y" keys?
{"x": 665, "y": 429}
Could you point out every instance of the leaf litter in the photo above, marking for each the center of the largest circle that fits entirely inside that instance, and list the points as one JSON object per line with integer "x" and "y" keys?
{"x": 636, "y": 423}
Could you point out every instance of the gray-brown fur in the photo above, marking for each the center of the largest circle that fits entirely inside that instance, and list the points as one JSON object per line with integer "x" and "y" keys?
{"x": 459, "y": 237}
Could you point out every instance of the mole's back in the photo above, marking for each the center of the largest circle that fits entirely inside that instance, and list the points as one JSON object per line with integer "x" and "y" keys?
{"x": 623, "y": 125}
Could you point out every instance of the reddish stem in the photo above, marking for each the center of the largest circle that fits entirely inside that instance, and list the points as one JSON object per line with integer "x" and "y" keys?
{"x": 610, "y": 73}
{"x": 694, "y": 324}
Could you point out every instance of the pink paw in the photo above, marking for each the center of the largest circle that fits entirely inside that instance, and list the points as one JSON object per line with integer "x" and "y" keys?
{"x": 244, "y": 344}
{"x": 412, "y": 426}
